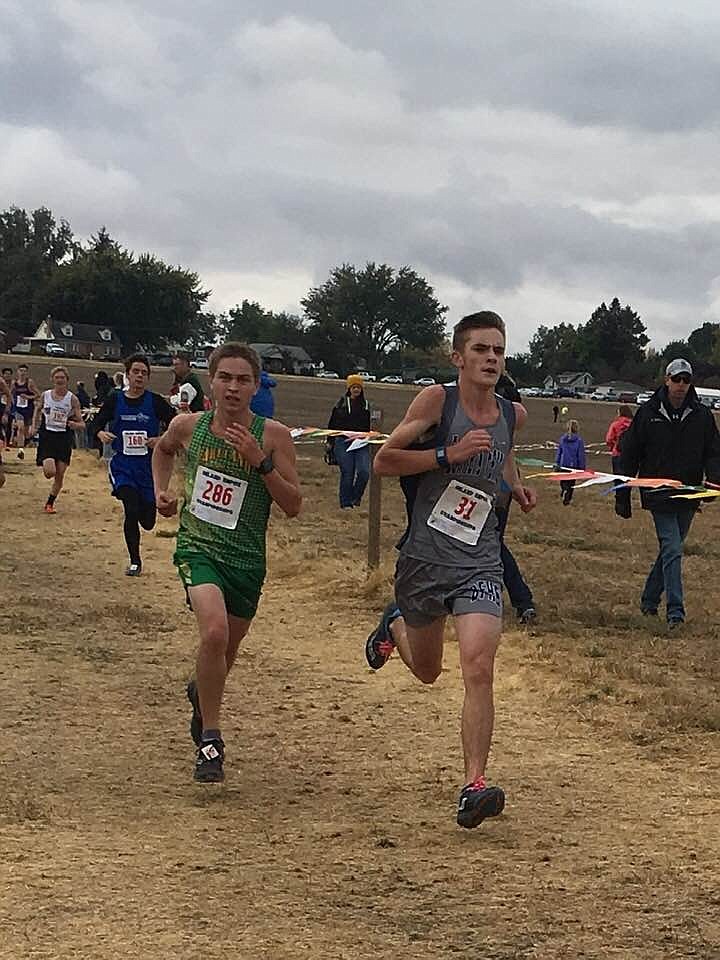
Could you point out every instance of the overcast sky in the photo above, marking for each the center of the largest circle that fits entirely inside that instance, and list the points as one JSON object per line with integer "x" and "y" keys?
{"x": 534, "y": 158}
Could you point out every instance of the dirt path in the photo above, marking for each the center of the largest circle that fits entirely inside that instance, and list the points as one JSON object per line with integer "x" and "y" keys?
{"x": 334, "y": 835}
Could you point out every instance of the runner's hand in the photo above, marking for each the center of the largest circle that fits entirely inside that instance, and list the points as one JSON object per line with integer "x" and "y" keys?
{"x": 104, "y": 436}
{"x": 166, "y": 503}
{"x": 152, "y": 442}
{"x": 474, "y": 442}
{"x": 245, "y": 444}
{"x": 525, "y": 496}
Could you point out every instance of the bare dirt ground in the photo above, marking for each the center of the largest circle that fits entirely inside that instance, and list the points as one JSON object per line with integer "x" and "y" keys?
{"x": 334, "y": 835}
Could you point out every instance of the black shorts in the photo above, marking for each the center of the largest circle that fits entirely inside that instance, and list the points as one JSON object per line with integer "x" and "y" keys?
{"x": 54, "y": 446}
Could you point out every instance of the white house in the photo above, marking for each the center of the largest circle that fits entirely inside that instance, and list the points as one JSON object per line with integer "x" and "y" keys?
{"x": 78, "y": 339}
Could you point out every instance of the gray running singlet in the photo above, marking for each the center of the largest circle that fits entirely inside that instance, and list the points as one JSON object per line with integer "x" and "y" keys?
{"x": 453, "y": 518}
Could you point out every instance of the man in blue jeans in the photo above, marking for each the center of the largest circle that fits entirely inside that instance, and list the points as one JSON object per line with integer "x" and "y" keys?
{"x": 675, "y": 437}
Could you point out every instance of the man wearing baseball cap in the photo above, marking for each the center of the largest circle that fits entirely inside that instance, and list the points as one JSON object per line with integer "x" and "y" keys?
{"x": 675, "y": 437}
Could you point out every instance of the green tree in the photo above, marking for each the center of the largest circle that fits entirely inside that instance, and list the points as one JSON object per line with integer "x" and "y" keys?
{"x": 144, "y": 300}
{"x": 555, "y": 349}
{"x": 705, "y": 341}
{"x": 31, "y": 247}
{"x": 359, "y": 316}
{"x": 614, "y": 338}
{"x": 522, "y": 370}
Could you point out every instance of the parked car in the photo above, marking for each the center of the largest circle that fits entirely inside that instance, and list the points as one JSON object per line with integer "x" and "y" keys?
{"x": 327, "y": 375}
{"x": 643, "y": 397}
{"x": 424, "y": 382}
{"x": 391, "y": 379}
{"x": 161, "y": 359}
{"x": 627, "y": 396}
{"x": 54, "y": 350}
{"x": 367, "y": 377}
{"x": 200, "y": 363}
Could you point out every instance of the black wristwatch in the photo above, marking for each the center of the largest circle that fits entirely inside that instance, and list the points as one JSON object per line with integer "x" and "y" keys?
{"x": 266, "y": 466}
{"x": 441, "y": 457}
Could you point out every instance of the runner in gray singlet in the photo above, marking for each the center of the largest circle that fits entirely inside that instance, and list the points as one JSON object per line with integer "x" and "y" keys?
{"x": 450, "y": 561}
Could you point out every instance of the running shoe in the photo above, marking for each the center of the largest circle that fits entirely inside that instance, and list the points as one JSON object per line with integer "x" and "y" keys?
{"x": 134, "y": 570}
{"x": 527, "y": 616}
{"x": 21, "y": 454}
{"x": 209, "y": 762}
{"x": 380, "y": 644}
{"x": 676, "y": 624}
{"x": 478, "y": 801}
{"x": 49, "y": 508}
{"x": 196, "y": 724}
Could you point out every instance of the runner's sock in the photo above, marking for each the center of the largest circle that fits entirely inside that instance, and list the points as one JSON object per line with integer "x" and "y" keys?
{"x": 52, "y": 497}
{"x": 208, "y": 735}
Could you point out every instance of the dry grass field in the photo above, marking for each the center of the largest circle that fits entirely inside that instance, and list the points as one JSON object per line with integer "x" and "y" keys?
{"x": 334, "y": 834}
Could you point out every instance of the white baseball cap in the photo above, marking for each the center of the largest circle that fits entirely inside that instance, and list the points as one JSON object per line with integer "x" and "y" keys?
{"x": 678, "y": 366}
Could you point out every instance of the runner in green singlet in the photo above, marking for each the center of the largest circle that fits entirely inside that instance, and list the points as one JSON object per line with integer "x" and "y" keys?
{"x": 237, "y": 464}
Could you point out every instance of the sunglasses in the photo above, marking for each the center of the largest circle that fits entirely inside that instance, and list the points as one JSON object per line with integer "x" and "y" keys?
{"x": 681, "y": 378}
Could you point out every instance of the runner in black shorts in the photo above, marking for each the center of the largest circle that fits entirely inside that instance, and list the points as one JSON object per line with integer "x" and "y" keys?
{"x": 57, "y": 413}
{"x": 450, "y": 561}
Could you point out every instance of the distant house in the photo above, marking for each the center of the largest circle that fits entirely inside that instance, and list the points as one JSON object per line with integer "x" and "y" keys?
{"x": 78, "y": 339}
{"x": 281, "y": 358}
{"x": 570, "y": 380}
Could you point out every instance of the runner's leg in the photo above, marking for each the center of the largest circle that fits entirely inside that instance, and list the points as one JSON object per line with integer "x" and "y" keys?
{"x": 478, "y": 637}
{"x": 208, "y": 604}
{"x": 421, "y": 648}
{"x": 60, "y": 468}
{"x": 238, "y": 628}
{"x": 131, "y": 502}
{"x": 147, "y": 514}
{"x": 49, "y": 467}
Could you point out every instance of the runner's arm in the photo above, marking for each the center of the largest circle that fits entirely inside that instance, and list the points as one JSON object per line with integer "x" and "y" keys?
{"x": 76, "y": 422}
{"x": 282, "y": 482}
{"x": 525, "y": 496}
{"x": 163, "y": 460}
{"x": 105, "y": 415}
{"x": 36, "y": 393}
{"x": 35, "y": 422}
{"x": 393, "y": 459}
{"x": 5, "y": 392}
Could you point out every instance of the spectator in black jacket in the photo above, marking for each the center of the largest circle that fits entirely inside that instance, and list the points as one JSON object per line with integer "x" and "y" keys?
{"x": 675, "y": 437}
{"x": 351, "y": 412}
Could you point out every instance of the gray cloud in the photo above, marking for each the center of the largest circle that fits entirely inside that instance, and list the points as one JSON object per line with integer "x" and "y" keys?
{"x": 540, "y": 156}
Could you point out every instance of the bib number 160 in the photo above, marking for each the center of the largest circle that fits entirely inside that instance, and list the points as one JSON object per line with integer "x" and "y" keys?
{"x": 217, "y": 493}
{"x": 465, "y": 507}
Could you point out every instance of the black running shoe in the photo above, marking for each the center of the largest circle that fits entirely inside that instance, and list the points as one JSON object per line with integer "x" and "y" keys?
{"x": 527, "y": 616}
{"x": 196, "y": 724}
{"x": 134, "y": 570}
{"x": 209, "y": 762}
{"x": 477, "y": 802}
{"x": 380, "y": 644}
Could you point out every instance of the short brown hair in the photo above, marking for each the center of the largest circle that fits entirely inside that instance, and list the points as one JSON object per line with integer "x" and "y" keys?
{"x": 136, "y": 358}
{"x": 625, "y": 411}
{"x": 231, "y": 350}
{"x": 59, "y": 370}
{"x": 483, "y": 320}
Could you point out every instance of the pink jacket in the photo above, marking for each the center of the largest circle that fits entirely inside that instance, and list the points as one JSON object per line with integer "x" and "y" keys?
{"x": 616, "y": 429}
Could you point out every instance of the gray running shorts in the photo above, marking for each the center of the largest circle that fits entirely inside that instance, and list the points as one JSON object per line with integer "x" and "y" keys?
{"x": 427, "y": 591}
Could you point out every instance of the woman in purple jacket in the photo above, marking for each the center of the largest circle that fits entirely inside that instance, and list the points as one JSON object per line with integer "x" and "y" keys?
{"x": 570, "y": 453}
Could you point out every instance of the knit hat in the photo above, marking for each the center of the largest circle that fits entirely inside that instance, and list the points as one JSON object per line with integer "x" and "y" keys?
{"x": 354, "y": 380}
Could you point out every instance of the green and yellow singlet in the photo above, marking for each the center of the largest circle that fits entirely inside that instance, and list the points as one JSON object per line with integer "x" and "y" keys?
{"x": 227, "y": 504}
